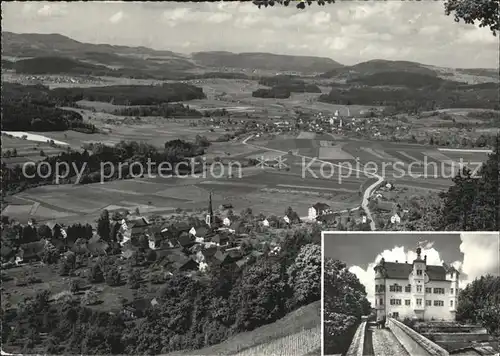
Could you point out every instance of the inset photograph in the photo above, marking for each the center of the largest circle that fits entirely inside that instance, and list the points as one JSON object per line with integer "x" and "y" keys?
{"x": 411, "y": 294}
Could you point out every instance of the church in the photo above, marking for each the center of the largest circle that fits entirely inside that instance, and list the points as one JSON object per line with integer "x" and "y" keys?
{"x": 416, "y": 290}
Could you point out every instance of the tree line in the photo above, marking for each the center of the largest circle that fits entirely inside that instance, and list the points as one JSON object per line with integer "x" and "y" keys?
{"x": 15, "y": 180}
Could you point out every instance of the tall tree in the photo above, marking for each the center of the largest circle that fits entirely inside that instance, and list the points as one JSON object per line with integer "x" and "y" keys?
{"x": 103, "y": 226}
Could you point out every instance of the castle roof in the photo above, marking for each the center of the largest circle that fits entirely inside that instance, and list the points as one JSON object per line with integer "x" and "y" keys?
{"x": 395, "y": 270}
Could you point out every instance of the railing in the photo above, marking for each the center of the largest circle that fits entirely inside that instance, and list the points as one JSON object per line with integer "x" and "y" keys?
{"x": 413, "y": 342}
{"x": 358, "y": 341}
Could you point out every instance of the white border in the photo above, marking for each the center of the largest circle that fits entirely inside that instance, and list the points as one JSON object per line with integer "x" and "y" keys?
{"x": 383, "y": 233}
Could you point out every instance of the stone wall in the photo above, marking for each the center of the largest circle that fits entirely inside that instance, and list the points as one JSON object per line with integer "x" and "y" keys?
{"x": 358, "y": 341}
{"x": 413, "y": 342}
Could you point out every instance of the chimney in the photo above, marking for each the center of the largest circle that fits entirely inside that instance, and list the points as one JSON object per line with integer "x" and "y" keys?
{"x": 396, "y": 261}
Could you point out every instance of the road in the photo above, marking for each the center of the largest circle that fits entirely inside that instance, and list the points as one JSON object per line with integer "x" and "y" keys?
{"x": 367, "y": 193}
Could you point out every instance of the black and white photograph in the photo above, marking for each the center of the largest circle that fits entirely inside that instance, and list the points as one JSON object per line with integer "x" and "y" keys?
{"x": 414, "y": 294}
{"x": 168, "y": 168}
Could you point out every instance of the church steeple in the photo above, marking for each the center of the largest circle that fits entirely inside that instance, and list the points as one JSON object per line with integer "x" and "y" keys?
{"x": 210, "y": 215}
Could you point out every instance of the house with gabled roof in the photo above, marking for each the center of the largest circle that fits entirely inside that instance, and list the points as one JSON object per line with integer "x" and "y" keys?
{"x": 31, "y": 251}
{"x": 318, "y": 209}
{"x": 181, "y": 262}
{"x": 220, "y": 239}
{"x": 416, "y": 290}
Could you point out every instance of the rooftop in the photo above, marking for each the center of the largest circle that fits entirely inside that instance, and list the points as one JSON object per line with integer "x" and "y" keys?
{"x": 394, "y": 270}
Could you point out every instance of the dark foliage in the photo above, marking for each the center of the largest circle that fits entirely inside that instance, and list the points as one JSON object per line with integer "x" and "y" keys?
{"x": 131, "y": 94}
{"x": 273, "y": 93}
{"x": 344, "y": 304}
{"x": 289, "y": 83}
{"x": 164, "y": 110}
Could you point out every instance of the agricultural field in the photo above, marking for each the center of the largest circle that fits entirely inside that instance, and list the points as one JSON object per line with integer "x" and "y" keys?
{"x": 263, "y": 190}
{"x": 27, "y": 150}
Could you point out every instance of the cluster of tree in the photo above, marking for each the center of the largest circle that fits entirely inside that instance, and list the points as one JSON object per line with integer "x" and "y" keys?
{"x": 222, "y": 75}
{"x": 191, "y": 312}
{"x": 56, "y": 65}
{"x": 15, "y": 234}
{"x": 289, "y": 83}
{"x": 482, "y": 141}
{"x": 129, "y": 67}
{"x": 131, "y": 94}
{"x": 163, "y": 110}
{"x": 403, "y": 79}
{"x": 272, "y": 93}
{"x": 121, "y": 156}
{"x": 344, "y": 304}
{"x": 31, "y": 108}
{"x": 410, "y": 100}
{"x": 479, "y": 303}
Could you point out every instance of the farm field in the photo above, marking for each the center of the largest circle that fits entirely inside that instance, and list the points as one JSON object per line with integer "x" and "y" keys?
{"x": 267, "y": 191}
{"x": 27, "y": 151}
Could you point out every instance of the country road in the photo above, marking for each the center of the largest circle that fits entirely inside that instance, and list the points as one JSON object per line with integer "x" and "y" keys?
{"x": 367, "y": 193}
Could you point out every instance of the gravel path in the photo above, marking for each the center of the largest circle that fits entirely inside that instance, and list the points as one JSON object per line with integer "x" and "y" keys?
{"x": 386, "y": 344}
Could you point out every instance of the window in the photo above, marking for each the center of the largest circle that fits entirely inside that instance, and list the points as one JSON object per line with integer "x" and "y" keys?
{"x": 408, "y": 288}
{"x": 407, "y": 302}
{"x": 419, "y": 289}
{"x": 419, "y": 301}
{"x": 438, "y": 303}
{"x": 419, "y": 272}
{"x": 395, "y": 301}
{"x": 395, "y": 288}
{"x": 381, "y": 302}
{"x": 438, "y": 290}
{"x": 375, "y": 301}
{"x": 428, "y": 303}
{"x": 451, "y": 303}
{"x": 451, "y": 291}
{"x": 428, "y": 290}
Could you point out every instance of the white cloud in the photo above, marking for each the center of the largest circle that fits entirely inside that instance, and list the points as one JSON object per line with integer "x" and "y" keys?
{"x": 430, "y": 30}
{"x": 321, "y": 18}
{"x": 481, "y": 252}
{"x": 116, "y": 18}
{"x": 478, "y": 35}
{"x": 336, "y": 43}
{"x": 177, "y": 14}
{"x": 50, "y": 10}
{"x": 219, "y": 17}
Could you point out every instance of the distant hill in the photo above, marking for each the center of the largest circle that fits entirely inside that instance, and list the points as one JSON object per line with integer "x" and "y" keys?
{"x": 55, "y": 65}
{"x": 36, "y": 44}
{"x": 133, "y": 60}
{"x": 377, "y": 66}
{"x": 265, "y": 61}
{"x": 401, "y": 79}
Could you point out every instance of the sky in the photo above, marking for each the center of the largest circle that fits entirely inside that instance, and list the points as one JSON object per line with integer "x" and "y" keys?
{"x": 347, "y": 31}
{"x": 473, "y": 254}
